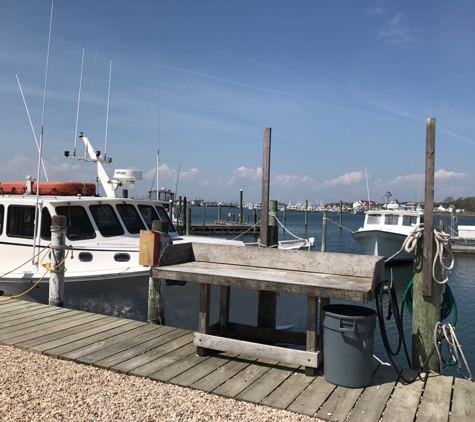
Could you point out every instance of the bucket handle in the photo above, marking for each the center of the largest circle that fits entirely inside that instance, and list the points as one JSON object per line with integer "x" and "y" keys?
{"x": 347, "y": 329}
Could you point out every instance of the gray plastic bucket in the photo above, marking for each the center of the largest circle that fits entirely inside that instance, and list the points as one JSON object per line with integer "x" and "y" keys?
{"x": 348, "y": 338}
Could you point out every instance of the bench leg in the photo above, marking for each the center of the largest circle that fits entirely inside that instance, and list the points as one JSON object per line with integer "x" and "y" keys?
{"x": 203, "y": 318}
{"x": 224, "y": 311}
{"x": 312, "y": 302}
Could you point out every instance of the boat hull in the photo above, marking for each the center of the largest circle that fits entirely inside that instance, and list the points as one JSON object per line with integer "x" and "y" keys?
{"x": 382, "y": 243}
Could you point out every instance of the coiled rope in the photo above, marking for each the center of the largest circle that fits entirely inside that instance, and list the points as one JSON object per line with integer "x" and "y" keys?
{"x": 443, "y": 252}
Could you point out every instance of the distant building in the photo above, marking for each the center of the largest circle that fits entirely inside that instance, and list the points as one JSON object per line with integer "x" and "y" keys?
{"x": 363, "y": 205}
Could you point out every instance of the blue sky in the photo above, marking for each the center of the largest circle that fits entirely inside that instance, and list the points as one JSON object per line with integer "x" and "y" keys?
{"x": 346, "y": 87}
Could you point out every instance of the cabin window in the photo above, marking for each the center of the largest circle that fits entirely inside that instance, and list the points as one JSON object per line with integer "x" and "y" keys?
{"x": 373, "y": 218}
{"x": 122, "y": 257}
{"x": 391, "y": 219}
{"x": 45, "y": 224}
{"x": 130, "y": 217}
{"x": 409, "y": 220}
{"x": 85, "y": 256}
{"x": 164, "y": 216}
{"x": 149, "y": 214}
{"x": 78, "y": 223}
{"x": 2, "y": 213}
{"x": 21, "y": 221}
{"x": 106, "y": 220}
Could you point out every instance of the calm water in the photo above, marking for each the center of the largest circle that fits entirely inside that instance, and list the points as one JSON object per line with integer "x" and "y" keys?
{"x": 130, "y": 300}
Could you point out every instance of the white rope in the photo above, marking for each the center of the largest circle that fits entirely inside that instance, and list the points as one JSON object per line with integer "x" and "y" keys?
{"x": 288, "y": 231}
{"x": 447, "y": 331}
{"x": 443, "y": 251}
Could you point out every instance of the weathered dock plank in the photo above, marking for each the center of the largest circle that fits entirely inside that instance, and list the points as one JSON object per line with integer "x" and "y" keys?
{"x": 313, "y": 397}
{"x": 177, "y": 339}
{"x": 404, "y": 401}
{"x": 435, "y": 402}
{"x": 372, "y": 402}
{"x": 202, "y": 369}
{"x": 241, "y": 380}
{"x": 339, "y": 404}
{"x": 153, "y": 368}
{"x": 121, "y": 334}
{"x": 47, "y": 341}
{"x": 283, "y": 396}
{"x": 37, "y": 328}
{"x": 140, "y": 345}
{"x": 267, "y": 383}
{"x": 223, "y": 373}
{"x": 463, "y": 402}
{"x": 128, "y": 340}
{"x": 77, "y": 343}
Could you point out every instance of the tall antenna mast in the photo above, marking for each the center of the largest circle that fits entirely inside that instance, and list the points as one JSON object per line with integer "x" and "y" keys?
{"x": 31, "y": 125}
{"x": 79, "y": 101}
{"x": 107, "y": 113}
{"x": 158, "y": 125}
{"x": 41, "y": 136}
{"x": 367, "y": 188}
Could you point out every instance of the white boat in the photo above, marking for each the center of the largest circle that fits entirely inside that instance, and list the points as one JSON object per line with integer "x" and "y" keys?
{"x": 295, "y": 244}
{"x": 384, "y": 231}
{"x": 102, "y": 232}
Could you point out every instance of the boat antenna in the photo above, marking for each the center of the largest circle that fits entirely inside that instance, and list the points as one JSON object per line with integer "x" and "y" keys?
{"x": 107, "y": 112}
{"x": 177, "y": 177}
{"x": 31, "y": 125}
{"x": 41, "y": 136}
{"x": 79, "y": 101}
{"x": 92, "y": 91}
{"x": 367, "y": 188}
{"x": 158, "y": 124}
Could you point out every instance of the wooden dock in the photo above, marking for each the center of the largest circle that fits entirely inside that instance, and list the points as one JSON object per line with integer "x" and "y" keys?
{"x": 167, "y": 354}
{"x": 220, "y": 229}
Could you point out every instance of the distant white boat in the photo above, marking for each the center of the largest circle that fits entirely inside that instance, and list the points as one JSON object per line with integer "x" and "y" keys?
{"x": 384, "y": 231}
{"x": 295, "y": 244}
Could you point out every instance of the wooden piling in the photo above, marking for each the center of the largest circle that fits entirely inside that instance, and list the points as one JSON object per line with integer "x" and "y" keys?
{"x": 324, "y": 301}
{"x": 156, "y": 303}
{"x": 426, "y": 292}
{"x": 341, "y": 215}
{"x": 219, "y": 212}
{"x": 58, "y": 245}
{"x": 188, "y": 222}
{"x": 324, "y": 231}
{"x": 240, "y": 207}
{"x": 284, "y": 218}
{"x": 306, "y": 213}
{"x": 266, "y": 315}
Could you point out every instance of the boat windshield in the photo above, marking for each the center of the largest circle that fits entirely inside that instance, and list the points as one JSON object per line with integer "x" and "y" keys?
{"x": 21, "y": 221}
{"x": 410, "y": 220}
{"x": 78, "y": 223}
{"x": 373, "y": 218}
{"x": 131, "y": 218}
{"x": 391, "y": 219}
{"x": 106, "y": 220}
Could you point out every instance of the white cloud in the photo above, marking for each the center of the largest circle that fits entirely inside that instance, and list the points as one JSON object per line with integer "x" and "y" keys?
{"x": 346, "y": 179}
{"x": 396, "y": 33}
{"x": 444, "y": 174}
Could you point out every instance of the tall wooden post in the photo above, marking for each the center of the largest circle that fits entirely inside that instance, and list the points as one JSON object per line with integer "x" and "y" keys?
{"x": 188, "y": 221}
{"x": 273, "y": 229}
{"x": 306, "y": 213}
{"x": 427, "y": 292}
{"x": 219, "y": 212}
{"x": 254, "y": 219}
{"x": 185, "y": 216}
{"x": 204, "y": 216}
{"x": 58, "y": 244}
{"x": 341, "y": 215}
{"x": 324, "y": 231}
{"x": 156, "y": 304}
{"x": 240, "y": 208}
{"x": 284, "y": 217}
{"x": 267, "y": 306}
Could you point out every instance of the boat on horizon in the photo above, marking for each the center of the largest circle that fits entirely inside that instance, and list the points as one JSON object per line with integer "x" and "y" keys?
{"x": 385, "y": 230}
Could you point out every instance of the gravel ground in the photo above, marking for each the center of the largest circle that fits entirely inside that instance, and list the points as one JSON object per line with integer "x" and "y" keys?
{"x": 34, "y": 387}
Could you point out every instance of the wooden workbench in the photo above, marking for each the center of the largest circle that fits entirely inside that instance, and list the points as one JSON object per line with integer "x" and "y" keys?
{"x": 313, "y": 274}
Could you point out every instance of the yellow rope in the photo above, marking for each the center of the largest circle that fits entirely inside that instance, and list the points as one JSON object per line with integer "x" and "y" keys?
{"x": 48, "y": 267}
